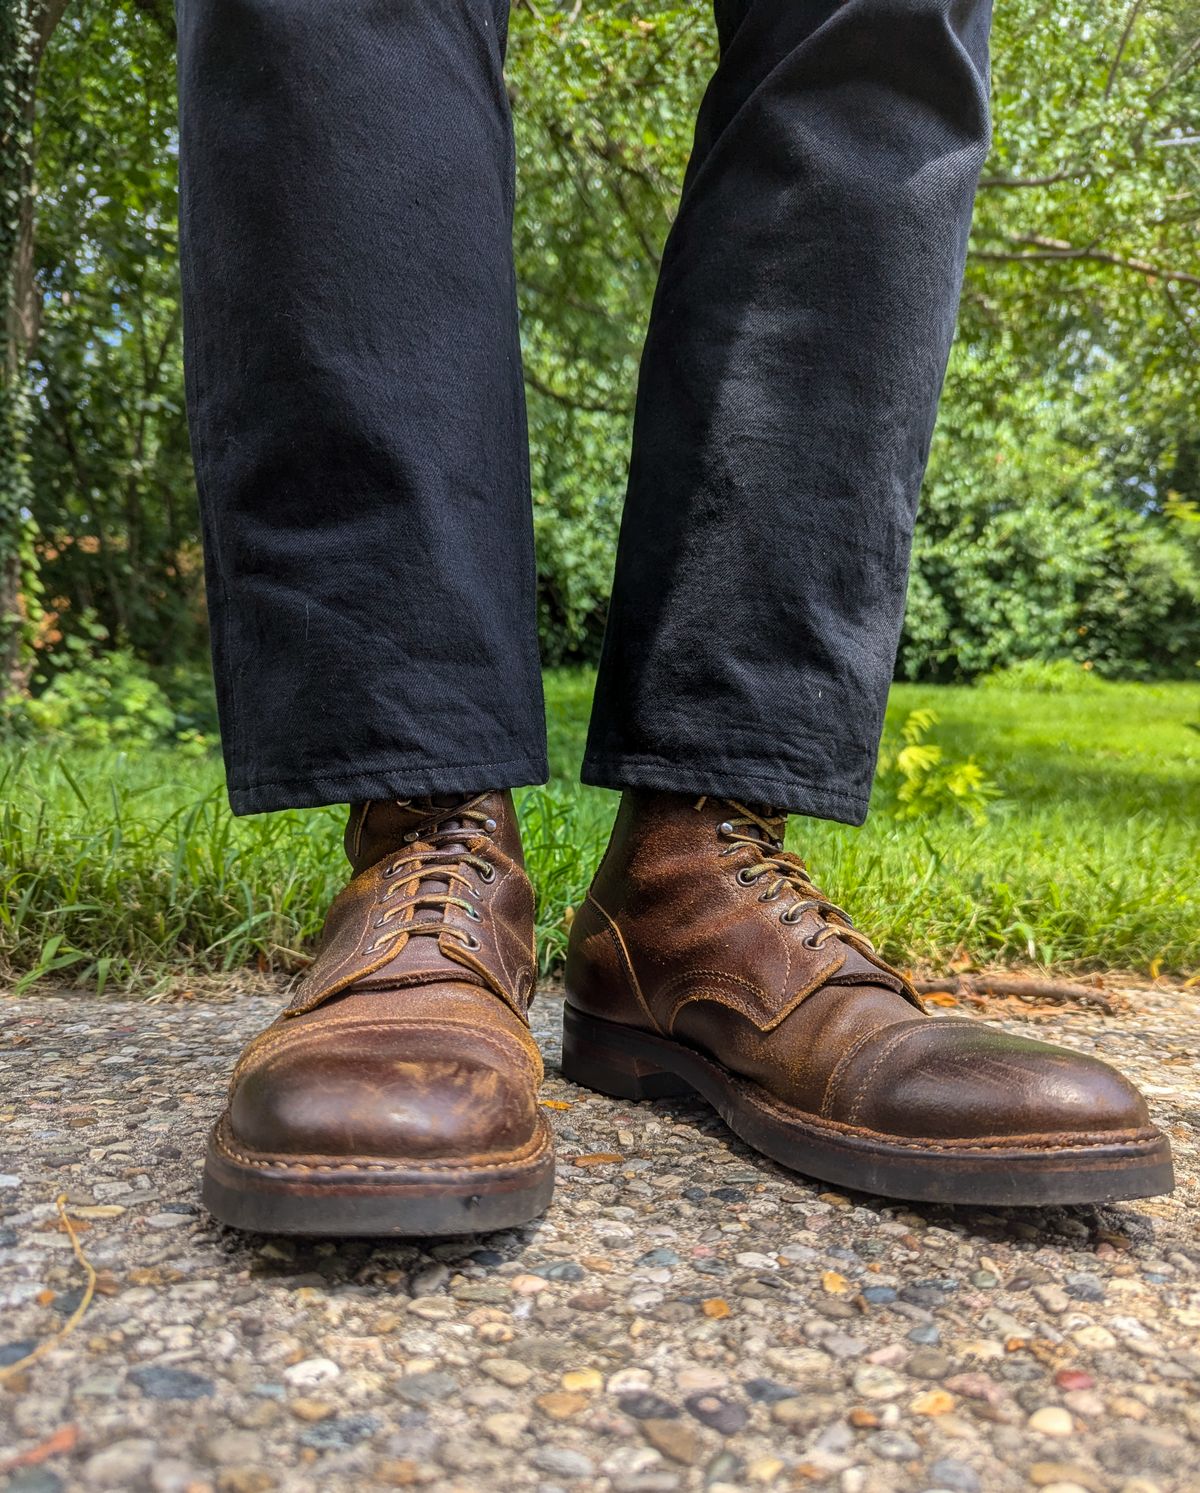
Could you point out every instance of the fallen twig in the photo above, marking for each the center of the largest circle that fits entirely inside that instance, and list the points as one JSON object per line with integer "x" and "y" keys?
{"x": 1066, "y": 992}
{"x": 76, "y": 1316}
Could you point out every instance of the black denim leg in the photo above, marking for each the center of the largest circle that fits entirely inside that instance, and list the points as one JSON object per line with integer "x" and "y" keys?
{"x": 787, "y": 396}
{"x": 355, "y": 397}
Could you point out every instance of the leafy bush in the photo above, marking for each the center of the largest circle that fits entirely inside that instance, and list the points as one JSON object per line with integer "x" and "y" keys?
{"x": 1061, "y": 677}
{"x": 918, "y": 780}
{"x": 1025, "y": 549}
{"x": 108, "y": 700}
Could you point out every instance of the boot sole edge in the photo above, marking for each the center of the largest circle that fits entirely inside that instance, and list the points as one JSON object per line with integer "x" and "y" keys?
{"x": 278, "y": 1195}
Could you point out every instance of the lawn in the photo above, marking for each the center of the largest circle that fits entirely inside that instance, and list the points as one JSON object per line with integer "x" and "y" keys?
{"x": 128, "y": 872}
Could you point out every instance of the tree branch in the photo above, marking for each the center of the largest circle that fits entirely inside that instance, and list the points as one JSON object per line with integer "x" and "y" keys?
{"x": 570, "y": 401}
{"x": 990, "y": 182}
{"x": 1056, "y": 250}
{"x": 1121, "y": 45}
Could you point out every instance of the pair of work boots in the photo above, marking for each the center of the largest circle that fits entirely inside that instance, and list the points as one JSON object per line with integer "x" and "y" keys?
{"x": 398, "y": 1092}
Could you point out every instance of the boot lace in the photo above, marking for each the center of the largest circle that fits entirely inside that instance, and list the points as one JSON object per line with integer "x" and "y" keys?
{"x": 444, "y": 859}
{"x": 763, "y": 833}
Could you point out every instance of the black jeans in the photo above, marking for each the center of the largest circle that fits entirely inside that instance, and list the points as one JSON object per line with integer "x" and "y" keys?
{"x": 358, "y": 422}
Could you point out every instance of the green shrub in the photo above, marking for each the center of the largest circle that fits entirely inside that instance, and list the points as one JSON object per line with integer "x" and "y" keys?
{"x": 107, "y": 700}
{"x": 1062, "y": 676}
{"x": 916, "y": 779}
{"x": 1025, "y": 551}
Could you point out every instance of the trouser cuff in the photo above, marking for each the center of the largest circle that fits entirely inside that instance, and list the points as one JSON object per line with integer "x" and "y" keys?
{"x": 753, "y": 783}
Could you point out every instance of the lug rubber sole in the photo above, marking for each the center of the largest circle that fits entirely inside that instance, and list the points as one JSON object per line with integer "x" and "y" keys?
{"x": 373, "y": 1198}
{"x": 989, "y": 1171}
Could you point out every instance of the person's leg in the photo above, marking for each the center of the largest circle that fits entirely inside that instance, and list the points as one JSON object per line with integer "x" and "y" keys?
{"x": 355, "y": 397}
{"x": 356, "y": 406}
{"x": 788, "y": 390}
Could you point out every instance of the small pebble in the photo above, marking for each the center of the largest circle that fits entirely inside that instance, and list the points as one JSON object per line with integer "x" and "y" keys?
{"x": 1051, "y": 1420}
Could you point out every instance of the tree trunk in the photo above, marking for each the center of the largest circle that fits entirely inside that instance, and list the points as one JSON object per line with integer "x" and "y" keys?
{"x": 26, "y": 27}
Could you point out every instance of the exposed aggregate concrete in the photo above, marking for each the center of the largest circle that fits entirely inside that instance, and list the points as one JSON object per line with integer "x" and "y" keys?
{"x": 687, "y": 1315}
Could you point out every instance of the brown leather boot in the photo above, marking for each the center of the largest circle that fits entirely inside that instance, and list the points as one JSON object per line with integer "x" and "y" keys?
{"x": 704, "y": 959}
{"x": 397, "y": 1094}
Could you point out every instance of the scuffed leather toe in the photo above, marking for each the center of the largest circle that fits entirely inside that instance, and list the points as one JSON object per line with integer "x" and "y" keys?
{"x": 953, "y": 1079}
{"x": 406, "y": 1094}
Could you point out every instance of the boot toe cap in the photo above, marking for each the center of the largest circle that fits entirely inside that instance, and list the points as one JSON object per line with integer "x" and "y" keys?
{"x": 408, "y": 1096}
{"x": 961, "y": 1080}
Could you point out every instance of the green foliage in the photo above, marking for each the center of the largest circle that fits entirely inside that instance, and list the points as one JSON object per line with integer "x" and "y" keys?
{"x": 604, "y": 106}
{"x": 1067, "y": 456}
{"x": 1023, "y": 551}
{"x": 109, "y": 700}
{"x": 1060, "y": 677}
{"x": 19, "y": 52}
{"x": 113, "y": 490}
{"x": 1068, "y": 429}
{"x": 915, "y": 779}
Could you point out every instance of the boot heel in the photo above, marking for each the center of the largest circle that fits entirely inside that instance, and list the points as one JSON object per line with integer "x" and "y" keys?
{"x": 595, "y": 1056}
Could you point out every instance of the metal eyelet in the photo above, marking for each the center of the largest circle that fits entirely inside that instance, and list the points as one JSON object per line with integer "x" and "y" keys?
{"x": 379, "y": 922}
{"x": 490, "y": 826}
{"x": 412, "y": 836}
{"x": 469, "y": 941}
{"x": 814, "y": 940}
{"x": 744, "y": 879}
{"x": 786, "y": 917}
{"x": 476, "y": 917}
{"x": 768, "y": 896}
{"x": 489, "y": 874}
{"x": 724, "y": 828}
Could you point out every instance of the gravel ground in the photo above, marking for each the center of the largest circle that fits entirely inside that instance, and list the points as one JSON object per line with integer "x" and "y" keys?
{"x": 687, "y": 1316}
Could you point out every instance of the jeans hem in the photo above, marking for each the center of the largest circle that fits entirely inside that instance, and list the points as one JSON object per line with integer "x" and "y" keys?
{"x": 780, "y": 788}
{"x": 400, "y": 781}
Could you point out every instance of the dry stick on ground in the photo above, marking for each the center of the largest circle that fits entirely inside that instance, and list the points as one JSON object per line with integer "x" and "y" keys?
{"x": 76, "y": 1316}
{"x": 1067, "y": 991}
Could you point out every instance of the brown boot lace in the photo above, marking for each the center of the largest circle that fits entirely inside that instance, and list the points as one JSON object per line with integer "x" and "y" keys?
{"x": 445, "y": 857}
{"x": 763, "y": 833}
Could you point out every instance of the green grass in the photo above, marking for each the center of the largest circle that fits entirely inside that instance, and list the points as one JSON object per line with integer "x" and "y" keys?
{"x": 128, "y": 872}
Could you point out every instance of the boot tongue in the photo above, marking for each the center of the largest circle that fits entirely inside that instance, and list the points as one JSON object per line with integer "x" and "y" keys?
{"x": 379, "y": 828}
{"x": 776, "y": 821}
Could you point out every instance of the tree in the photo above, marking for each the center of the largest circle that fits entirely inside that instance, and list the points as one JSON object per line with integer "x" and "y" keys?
{"x": 26, "y": 27}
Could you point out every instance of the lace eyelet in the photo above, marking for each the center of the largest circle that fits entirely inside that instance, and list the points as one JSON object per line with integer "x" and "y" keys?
{"x": 768, "y": 896}
{"x": 469, "y": 941}
{"x": 489, "y": 874}
{"x": 786, "y": 917}
{"x": 411, "y": 837}
{"x": 490, "y": 826}
{"x": 814, "y": 940}
{"x": 724, "y": 828}
{"x": 476, "y": 917}
{"x": 745, "y": 879}
{"x": 379, "y": 922}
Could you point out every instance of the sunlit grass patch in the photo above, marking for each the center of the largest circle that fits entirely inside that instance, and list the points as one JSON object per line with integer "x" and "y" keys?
{"x": 120, "y": 871}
